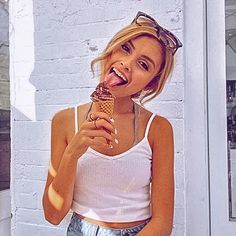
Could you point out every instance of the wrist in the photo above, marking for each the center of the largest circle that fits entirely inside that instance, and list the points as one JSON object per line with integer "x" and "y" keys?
{"x": 71, "y": 154}
{"x": 162, "y": 228}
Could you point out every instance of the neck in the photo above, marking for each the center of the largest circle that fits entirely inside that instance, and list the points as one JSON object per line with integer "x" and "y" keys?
{"x": 123, "y": 105}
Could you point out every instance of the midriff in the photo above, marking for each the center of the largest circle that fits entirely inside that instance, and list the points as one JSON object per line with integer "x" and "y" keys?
{"x": 111, "y": 224}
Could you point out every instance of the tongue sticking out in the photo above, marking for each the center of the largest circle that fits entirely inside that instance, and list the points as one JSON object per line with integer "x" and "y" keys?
{"x": 112, "y": 80}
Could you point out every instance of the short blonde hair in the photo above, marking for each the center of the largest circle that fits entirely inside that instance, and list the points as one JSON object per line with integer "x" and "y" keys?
{"x": 132, "y": 31}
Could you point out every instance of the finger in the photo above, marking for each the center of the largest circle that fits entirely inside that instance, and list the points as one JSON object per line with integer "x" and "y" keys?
{"x": 101, "y": 144}
{"x": 102, "y": 123}
{"x": 99, "y": 124}
{"x": 100, "y": 115}
{"x": 98, "y": 133}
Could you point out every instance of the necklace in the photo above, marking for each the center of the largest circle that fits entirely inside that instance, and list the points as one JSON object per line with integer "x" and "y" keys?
{"x": 115, "y": 115}
{"x": 132, "y": 110}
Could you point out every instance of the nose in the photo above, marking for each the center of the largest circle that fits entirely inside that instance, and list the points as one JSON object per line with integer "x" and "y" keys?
{"x": 126, "y": 65}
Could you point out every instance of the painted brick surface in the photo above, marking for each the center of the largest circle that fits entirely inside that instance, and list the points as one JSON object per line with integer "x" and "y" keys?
{"x": 50, "y": 71}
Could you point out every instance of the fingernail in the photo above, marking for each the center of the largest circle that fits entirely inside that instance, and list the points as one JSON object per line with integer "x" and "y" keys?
{"x": 115, "y": 131}
{"x": 116, "y": 141}
{"x": 112, "y": 120}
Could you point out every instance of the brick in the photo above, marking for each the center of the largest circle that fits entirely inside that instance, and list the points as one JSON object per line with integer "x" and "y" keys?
{"x": 38, "y": 230}
{"x": 178, "y": 230}
{"x": 178, "y": 73}
{"x": 44, "y": 112}
{"x": 179, "y": 215}
{"x": 179, "y": 161}
{"x": 36, "y": 217}
{"x": 25, "y": 139}
{"x": 71, "y": 49}
{"x": 167, "y": 109}
{"x": 59, "y": 81}
{"x": 178, "y": 127}
{"x": 32, "y": 157}
{"x": 179, "y": 180}
{"x": 172, "y": 92}
{"x": 63, "y": 66}
{"x": 75, "y": 33}
{"x": 179, "y": 198}
{"x": 27, "y": 186}
{"x": 30, "y": 172}
{"x": 27, "y": 201}
{"x": 63, "y": 96}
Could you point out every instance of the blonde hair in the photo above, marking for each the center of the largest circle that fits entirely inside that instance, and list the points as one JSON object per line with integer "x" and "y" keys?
{"x": 132, "y": 31}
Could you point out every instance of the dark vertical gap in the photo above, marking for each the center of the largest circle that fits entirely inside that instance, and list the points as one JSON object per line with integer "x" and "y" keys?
{"x": 5, "y": 142}
{"x": 5, "y": 149}
{"x": 207, "y": 108}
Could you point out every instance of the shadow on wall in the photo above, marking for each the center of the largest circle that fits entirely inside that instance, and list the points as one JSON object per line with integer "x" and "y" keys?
{"x": 50, "y": 72}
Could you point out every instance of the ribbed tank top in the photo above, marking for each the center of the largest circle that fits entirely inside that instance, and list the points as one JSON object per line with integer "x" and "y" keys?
{"x": 114, "y": 188}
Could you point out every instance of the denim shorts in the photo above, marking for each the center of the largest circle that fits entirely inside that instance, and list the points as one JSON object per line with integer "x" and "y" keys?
{"x": 80, "y": 227}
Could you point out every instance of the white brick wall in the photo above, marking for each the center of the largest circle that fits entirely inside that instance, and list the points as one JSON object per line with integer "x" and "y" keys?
{"x": 51, "y": 45}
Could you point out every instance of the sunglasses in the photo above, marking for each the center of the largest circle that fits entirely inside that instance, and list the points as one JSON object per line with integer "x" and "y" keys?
{"x": 169, "y": 40}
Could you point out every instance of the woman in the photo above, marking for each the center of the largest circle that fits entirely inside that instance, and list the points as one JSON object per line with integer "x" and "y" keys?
{"x": 116, "y": 174}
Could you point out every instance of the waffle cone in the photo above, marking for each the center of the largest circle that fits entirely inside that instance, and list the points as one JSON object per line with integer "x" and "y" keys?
{"x": 106, "y": 106}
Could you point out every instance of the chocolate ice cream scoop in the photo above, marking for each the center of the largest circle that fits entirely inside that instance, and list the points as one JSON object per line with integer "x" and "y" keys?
{"x": 101, "y": 93}
{"x": 103, "y": 99}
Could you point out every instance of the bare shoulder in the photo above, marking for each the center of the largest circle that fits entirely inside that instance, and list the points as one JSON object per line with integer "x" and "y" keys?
{"x": 161, "y": 130}
{"x": 161, "y": 123}
{"x": 67, "y": 114}
{"x": 64, "y": 120}
{"x": 61, "y": 117}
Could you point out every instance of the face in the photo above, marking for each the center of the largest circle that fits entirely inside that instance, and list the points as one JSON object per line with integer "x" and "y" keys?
{"x": 132, "y": 66}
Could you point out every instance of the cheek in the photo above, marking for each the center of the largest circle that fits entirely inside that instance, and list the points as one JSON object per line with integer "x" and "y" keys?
{"x": 143, "y": 78}
{"x": 140, "y": 85}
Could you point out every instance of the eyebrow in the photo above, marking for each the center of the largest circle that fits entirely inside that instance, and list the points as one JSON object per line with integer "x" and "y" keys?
{"x": 144, "y": 56}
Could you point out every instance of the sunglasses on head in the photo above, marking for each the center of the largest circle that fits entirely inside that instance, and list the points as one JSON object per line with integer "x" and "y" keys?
{"x": 169, "y": 40}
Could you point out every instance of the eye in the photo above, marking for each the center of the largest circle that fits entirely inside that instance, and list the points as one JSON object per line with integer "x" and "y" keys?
{"x": 144, "y": 65}
{"x": 125, "y": 48}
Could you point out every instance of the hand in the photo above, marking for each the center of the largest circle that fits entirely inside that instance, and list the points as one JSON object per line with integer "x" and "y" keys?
{"x": 99, "y": 125}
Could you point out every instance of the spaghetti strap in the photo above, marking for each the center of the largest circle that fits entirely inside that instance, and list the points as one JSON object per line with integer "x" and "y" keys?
{"x": 149, "y": 124}
{"x": 76, "y": 120}
{"x": 136, "y": 114}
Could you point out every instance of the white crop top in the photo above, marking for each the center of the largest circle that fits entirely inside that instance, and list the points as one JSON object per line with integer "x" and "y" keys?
{"x": 114, "y": 188}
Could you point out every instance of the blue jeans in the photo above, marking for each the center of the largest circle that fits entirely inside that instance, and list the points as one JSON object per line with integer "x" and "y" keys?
{"x": 80, "y": 227}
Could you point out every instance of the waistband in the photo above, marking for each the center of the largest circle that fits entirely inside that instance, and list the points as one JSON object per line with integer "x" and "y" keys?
{"x": 111, "y": 225}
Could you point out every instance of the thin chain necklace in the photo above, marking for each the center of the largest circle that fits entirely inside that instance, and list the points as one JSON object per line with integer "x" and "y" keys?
{"x": 115, "y": 115}
{"x": 132, "y": 110}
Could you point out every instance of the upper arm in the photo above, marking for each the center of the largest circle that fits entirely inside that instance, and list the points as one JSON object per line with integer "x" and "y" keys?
{"x": 162, "y": 194}
{"x": 58, "y": 144}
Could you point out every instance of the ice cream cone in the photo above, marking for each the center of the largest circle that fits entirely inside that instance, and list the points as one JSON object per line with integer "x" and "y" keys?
{"x": 103, "y": 99}
{"x": 106, "y": 106}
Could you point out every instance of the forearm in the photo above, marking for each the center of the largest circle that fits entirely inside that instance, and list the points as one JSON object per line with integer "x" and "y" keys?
{"x": 58, "y": 196}
{"x": 156, "y": 228}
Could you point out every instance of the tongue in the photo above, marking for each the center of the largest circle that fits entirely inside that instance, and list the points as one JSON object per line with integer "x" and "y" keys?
{"x": 112, "y": 80}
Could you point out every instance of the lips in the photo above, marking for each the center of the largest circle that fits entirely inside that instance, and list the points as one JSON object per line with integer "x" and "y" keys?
{"x": 115, "y": 78}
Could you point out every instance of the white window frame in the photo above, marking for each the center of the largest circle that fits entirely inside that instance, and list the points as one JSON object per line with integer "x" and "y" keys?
{"x": 196, "y": 135}
{"x": 217, "y": 120}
